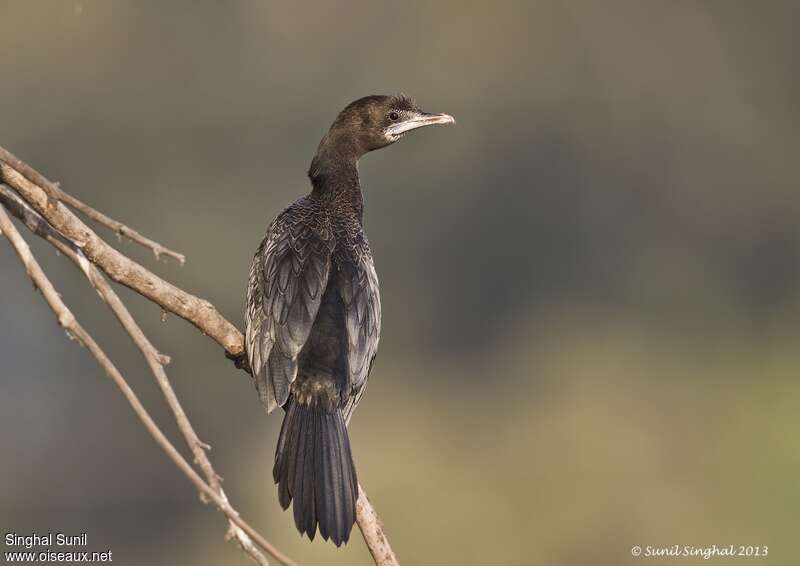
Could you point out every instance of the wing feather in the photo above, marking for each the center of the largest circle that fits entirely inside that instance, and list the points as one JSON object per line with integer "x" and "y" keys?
{"x": 287, "y": 277}
{"x": 358, "y": 287}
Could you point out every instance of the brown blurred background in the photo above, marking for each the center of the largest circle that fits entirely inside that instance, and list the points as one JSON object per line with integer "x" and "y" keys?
{"x": 591, "y": 284}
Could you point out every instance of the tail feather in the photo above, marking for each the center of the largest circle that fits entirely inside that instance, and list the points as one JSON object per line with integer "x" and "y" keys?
{"x": 314, "y": 468}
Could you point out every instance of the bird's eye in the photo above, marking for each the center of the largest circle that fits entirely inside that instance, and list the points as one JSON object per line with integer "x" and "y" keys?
{"x": 394, "y": 116}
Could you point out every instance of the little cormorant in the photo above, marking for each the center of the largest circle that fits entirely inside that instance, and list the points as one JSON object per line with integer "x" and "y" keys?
{"x": 313, "y": 316}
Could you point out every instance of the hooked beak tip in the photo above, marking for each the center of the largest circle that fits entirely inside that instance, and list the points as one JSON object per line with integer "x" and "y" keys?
{"x": 425, "y": 119}
{"x": 442, "y": 119}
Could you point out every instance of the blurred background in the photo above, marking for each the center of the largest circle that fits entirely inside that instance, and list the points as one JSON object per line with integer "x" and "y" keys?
{"x": 591, "y": 284}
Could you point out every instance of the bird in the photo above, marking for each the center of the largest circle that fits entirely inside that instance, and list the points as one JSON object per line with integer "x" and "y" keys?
{"x": 313, "y": 316}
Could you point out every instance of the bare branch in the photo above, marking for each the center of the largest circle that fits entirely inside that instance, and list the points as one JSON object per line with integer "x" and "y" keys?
{"x": 122, "y": 269}
{"x": 30, "y": 217}
{"x": 198, "y": 311}
{"x": 154, "y": 359}
{"x": 54, "y": 191}
{"x": 372, "y": 530}
{"x": 67, "y": 320}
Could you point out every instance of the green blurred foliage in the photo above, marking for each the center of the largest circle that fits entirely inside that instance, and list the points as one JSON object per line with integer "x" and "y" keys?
{"x": 590, "y": 284}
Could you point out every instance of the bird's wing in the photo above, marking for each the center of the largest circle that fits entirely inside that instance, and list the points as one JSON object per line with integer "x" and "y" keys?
{"x": 287, "y": 280}
{"x": 358, "y": 287}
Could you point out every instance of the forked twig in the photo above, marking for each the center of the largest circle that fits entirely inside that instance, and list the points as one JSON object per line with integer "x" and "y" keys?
{"x": 67, "y": 320}
{"x": 54, "y": 192}
{"x": 155, "y": 360}
{"x": 121, "y": 268}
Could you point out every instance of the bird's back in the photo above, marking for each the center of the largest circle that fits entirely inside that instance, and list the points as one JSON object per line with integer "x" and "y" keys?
{"x": 313, "y": 305}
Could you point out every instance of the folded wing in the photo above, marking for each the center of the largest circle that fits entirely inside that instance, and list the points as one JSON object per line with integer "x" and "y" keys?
{"x": 358, "y": 287}
{"x": 288, "y": 277}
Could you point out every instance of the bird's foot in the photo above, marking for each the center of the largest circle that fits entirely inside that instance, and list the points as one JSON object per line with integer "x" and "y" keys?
{"x": 240, "y": 361}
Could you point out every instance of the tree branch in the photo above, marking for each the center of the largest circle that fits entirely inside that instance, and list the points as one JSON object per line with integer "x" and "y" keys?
{"x": 67, "y": 320}
{"x": 44, "y": 198}
{"x": 119, "y": 267}
{"x": 55, "y": 193}
{"x": 372, "y": 531}
{"x": 154, "y": 359}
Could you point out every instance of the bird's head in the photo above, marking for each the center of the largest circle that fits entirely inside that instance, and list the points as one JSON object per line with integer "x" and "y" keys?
{"x": 371, "y": 123}
{"x": 376, "y": 121}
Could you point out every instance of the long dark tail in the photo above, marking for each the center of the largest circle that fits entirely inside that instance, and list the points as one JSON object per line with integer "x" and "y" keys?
{"x": 314, "y": 466}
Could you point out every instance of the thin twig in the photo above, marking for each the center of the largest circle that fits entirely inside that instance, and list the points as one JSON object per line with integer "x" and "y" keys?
{"x": 56, "y": 192}
{"x": 67, "y": 320}
{"x": 155, "y": 360}
{"x": 122, "y": 269}
{"x": 198, "y": 311}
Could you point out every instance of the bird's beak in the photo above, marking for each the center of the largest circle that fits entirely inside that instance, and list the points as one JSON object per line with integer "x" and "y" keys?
{"x": 418, "y": 121}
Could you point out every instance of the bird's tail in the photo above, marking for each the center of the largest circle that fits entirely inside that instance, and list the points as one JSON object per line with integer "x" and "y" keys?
{"x": 314, "y": 466}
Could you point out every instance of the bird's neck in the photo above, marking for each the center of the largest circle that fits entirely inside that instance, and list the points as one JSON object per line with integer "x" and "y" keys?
{"x": 334, "y": 177}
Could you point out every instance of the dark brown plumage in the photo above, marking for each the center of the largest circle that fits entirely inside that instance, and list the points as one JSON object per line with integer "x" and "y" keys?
{"x": 313, "y": 316}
